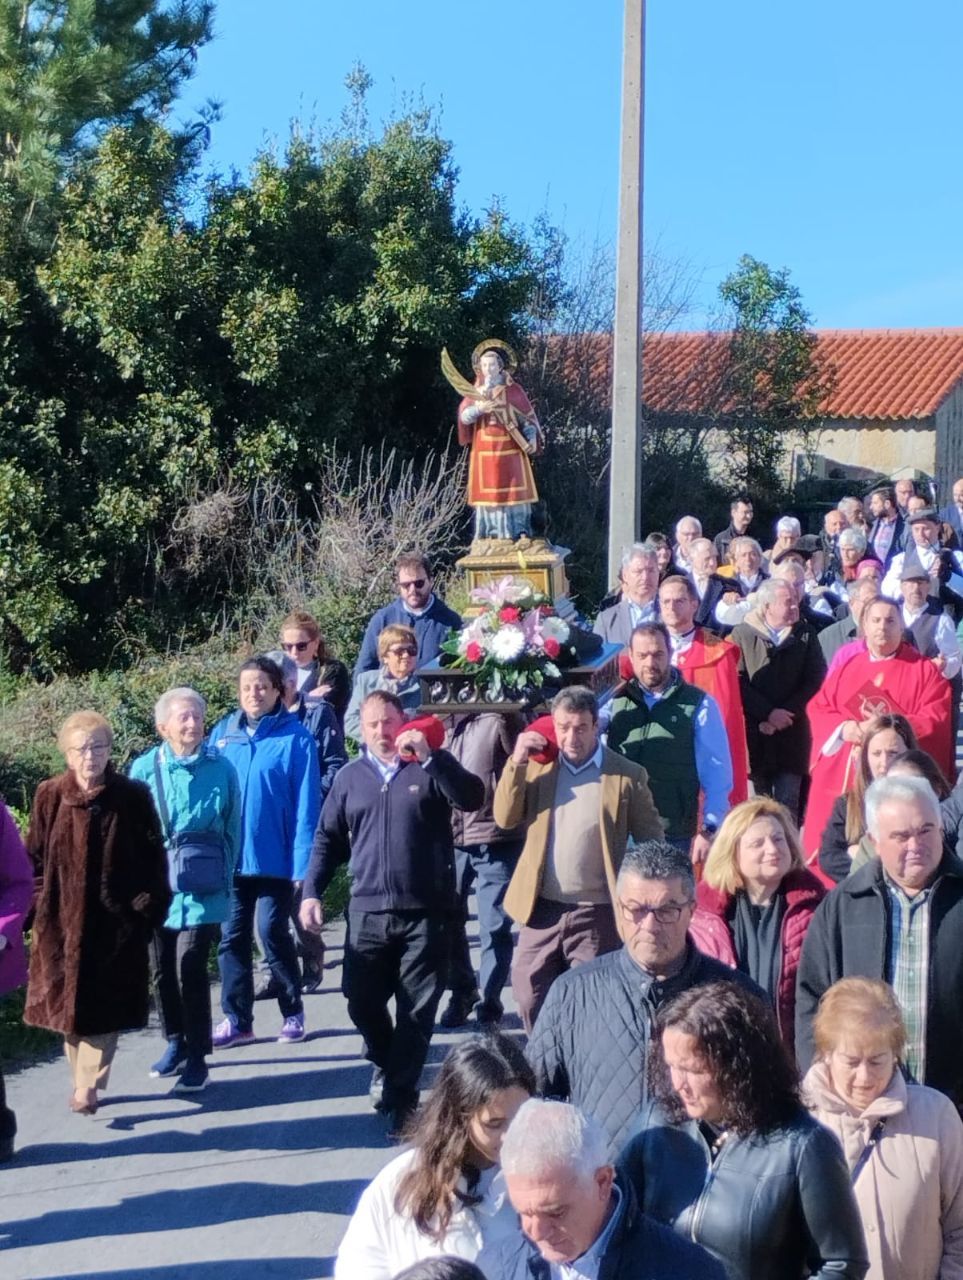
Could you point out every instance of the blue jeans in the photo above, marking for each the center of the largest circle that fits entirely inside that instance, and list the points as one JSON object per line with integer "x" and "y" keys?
{"x": 490, "y": 866}
{"x": 271, "y": 898}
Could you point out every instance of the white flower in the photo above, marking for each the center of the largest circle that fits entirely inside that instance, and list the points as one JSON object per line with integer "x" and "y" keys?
{"x": 508, "y": 644}
{"x": 555, "y": 629}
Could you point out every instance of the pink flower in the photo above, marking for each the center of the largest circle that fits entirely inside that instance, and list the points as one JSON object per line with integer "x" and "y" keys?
{"x": 509, "y": 614}
{"x": 551, "y": 646}
{"x": 474, "y": 652}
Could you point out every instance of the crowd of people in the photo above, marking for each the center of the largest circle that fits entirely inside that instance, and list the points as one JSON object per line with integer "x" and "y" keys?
{"x": 735, "y": 882}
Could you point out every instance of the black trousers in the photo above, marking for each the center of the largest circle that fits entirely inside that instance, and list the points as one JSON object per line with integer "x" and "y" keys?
{"x": 182, "y": 988}
{"x": 401, "y": 955}
{"x": 8, "y": 1121}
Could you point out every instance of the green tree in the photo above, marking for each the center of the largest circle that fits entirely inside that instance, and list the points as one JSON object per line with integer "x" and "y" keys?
{"x": 772, "y": 385}
{"x": 154, "y": 355}
{"x": 71, "y": 68}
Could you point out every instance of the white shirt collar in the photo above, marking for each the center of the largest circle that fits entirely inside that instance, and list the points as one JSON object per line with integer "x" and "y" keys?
{"x": 594, "y": 759}
{"x": 386, "y": 769}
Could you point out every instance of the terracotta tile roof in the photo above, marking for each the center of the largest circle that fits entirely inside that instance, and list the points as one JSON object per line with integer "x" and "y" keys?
{"x": 880, "y": 374}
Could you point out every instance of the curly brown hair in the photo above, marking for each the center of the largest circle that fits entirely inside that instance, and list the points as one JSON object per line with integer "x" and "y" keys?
{"x": 736, "y": 1034}
{"x": 472, "y": 1073}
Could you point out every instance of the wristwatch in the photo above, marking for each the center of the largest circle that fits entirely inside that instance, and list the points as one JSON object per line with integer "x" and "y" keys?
{"x": 708, "y": 830}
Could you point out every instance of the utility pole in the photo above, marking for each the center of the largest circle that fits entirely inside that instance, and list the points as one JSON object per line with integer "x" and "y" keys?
{"x": 625, "y": 515}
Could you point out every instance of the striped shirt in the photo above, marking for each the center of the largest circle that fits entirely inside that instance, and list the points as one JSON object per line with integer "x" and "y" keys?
{"x": 907, "y": 969}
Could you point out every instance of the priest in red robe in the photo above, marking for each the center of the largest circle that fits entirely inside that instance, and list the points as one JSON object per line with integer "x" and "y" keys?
{"x": 499, "y": 423}
{"x": 886, "y": 675}
{"x": 712, "y": 665}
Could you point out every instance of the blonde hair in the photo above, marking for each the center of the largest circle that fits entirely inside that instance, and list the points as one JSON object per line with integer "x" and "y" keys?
{"x": 394, "y": 633}
{"x": 722, "y": 865}
{"x": 83, "y": 722}
{"x": 853, "y": 1003}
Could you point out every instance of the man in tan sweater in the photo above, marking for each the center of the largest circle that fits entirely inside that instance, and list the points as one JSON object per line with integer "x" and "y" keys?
{"x": 579, "y": 810}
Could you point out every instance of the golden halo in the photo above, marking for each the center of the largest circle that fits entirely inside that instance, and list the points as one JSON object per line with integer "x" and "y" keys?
{"x": 495, "y": 344}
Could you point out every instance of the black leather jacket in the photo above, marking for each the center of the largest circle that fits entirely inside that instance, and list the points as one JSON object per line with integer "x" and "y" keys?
{"x": 774, "y": 1206}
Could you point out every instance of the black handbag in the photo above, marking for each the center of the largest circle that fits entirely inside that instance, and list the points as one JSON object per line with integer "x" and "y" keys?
{"x": 195, "y": 859}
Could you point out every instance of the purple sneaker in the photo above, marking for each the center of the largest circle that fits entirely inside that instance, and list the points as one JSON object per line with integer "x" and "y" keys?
{"x": 228, "y": 1033}
{"x": 292, "y": 1030}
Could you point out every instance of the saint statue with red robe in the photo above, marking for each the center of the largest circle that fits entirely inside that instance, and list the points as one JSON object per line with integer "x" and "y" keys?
{"x": 497, "y": 420}
{"x": 885, "y": 675}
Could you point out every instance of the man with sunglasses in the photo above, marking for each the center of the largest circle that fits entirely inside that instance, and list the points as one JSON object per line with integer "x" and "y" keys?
{"x": 417, "y": 607}
{"x": 590, "y": 1043}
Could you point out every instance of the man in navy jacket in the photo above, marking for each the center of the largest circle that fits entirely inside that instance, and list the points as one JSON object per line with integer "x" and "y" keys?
{"x": 417, "y": 607}
{"x": 389, "y": 812}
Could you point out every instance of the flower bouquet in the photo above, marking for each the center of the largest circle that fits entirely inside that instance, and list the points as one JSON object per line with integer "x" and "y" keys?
{"x": 514, "y": 647}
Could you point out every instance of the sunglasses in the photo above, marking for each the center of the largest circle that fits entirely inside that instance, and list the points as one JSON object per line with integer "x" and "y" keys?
{"x": 417, "y": 583}
{"x": 299, "y": 646}
{"x": 403, "y": 653}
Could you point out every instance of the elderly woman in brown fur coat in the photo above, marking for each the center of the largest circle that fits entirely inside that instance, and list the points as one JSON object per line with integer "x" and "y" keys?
{"x": 98, "y": 853}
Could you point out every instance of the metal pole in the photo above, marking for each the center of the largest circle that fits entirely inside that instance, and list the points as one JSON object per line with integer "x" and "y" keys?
{"x": 625, "y": 515}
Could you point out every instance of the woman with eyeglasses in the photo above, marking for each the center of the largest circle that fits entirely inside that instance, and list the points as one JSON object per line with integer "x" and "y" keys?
{"x": 321, "y": 676}
{"x": 398, "y": 655}
{"x": 726, "y": 1155}
{"x": 756, "y": 900}
{"x": 99, "y": 856}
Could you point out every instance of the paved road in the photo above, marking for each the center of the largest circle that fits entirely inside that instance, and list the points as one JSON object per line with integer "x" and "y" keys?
{"x": 253, "y": 1177}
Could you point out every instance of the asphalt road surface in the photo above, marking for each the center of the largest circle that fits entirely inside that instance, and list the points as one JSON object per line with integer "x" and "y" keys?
{"x": 255, "y": 1176}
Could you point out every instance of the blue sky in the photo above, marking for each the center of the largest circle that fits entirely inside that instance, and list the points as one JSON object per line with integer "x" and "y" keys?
{"x": 826, "y": 137}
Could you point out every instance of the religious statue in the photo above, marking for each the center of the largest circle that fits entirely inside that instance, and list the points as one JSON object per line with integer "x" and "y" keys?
{"x": 497, "y": 420}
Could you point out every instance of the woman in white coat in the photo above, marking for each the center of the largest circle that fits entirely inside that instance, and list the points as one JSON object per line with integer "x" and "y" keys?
{"x": 903, "y": 1142}
{"x": 444, "y": 1195}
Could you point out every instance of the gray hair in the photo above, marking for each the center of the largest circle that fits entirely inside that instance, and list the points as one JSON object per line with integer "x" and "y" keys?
{"x": 700, "y": 543}
{"x": 638, "y": 551}
{"x": 859, "y": 586}
{"x": 789, "y": 524}
{"x": 853, "y": 538}
{"x": 289, "y": 668}
{"x": 788, "y": 571}
{"x": 576, "y": 698}
{"x": 692, "y": 519}
{"x": 181, "y": 693}
{"x": 657, "y": 860}
{"x": 546, "y": 1137}
{"x": 903, "y": 788}
{"x": 765, "y": 594}
{"x": 742, "y": 539}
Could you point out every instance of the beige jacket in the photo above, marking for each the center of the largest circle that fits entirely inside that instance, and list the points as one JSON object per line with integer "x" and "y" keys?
{"x": 910, "y": 1191}
{"x": 526, "y": 794}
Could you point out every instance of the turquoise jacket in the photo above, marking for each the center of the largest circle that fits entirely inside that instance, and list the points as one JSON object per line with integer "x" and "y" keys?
{"x": 202, "y": 794}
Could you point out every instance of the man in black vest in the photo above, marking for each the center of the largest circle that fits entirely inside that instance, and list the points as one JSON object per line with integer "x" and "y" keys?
{"x": 676, "y": 732}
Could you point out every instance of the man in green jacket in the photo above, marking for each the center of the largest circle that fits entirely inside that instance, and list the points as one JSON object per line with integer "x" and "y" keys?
{"x": 676, "y": 732}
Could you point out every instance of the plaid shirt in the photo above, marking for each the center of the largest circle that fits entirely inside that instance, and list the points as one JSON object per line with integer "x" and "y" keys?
{"x": 907, "y": 968}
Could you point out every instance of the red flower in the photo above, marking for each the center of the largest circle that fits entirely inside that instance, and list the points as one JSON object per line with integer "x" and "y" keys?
{"x": 473, "y": 651}
{"x": 551, "y": 646}
{"x": 509, "y": 613}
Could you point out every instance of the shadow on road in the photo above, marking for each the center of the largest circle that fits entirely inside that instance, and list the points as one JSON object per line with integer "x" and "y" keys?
{"x": 162, "y": 1211}
{"x": 242, "y": 1269}
{"x": 269, "y": 1136}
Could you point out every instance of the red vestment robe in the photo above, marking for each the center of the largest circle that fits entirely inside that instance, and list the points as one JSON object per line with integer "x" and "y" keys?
{"x": 712, "y": 665}
{"x": 499, "y": 472}
{"x": 906, "y": 684}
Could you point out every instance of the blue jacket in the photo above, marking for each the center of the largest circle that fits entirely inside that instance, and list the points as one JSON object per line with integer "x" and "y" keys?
{"x": 277, "y": 768}
{"x": 637, "y": 1249}
{"x": 321, "y": 721}
{"x": 430, "y": 628}
{"x": 202, "y": 794}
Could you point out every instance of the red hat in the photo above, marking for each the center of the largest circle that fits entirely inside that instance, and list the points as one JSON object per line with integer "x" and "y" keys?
{"x": 625, "y": 666}
{"x": 431, "y": 727}
{"x": 545, "y": 725}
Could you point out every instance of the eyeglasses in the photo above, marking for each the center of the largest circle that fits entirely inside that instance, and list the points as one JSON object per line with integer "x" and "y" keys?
{"x": 398, "y": 652}
{"x": 415, "y": 584}
{"x": 671, "y": 913}
{"x": 299, "y": 646}
{"x": 90, "y": 749}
